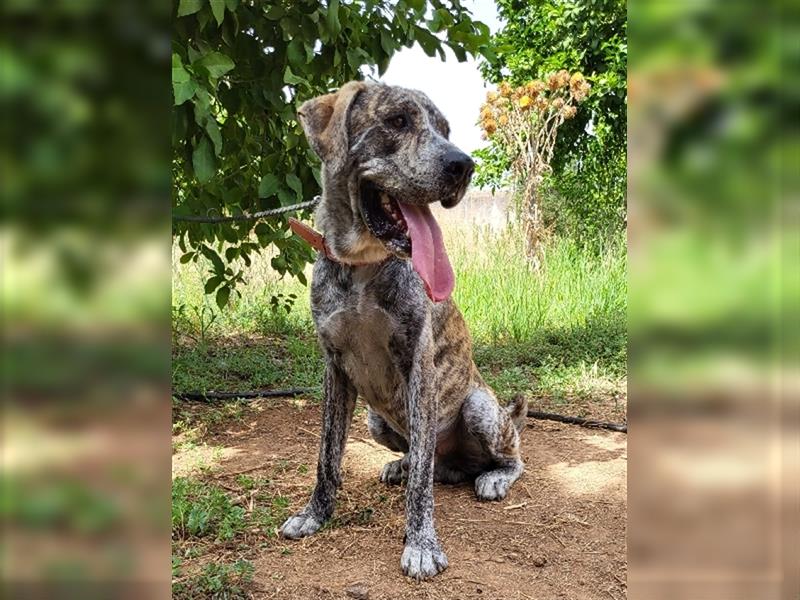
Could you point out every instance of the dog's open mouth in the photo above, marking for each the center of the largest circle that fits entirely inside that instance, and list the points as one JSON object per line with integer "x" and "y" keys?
{"x": 384, "y": 219}
{"x": 409, "y": 230}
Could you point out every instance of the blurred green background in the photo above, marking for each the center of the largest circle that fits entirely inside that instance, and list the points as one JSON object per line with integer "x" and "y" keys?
{"x": 85, "y": 96}
{"x": 713, "y": 299}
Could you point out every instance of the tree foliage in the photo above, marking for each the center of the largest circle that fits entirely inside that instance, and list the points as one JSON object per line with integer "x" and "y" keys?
{"x": 590, "y": 37}
{"x": 240, "y": 69}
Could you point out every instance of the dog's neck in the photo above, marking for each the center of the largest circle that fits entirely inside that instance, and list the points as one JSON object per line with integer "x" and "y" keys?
{"x": 338, "y": 218}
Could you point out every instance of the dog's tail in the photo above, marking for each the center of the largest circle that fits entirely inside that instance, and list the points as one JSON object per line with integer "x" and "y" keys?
{"x": 518, "y": 411}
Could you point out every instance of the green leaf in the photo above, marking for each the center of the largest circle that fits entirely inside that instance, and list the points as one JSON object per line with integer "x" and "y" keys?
{"x": 268, "y": 186}
{"x": 332, "y": 18}
{"x": 219, "y": 266}
{"x": 185, "y": 258}
{"x": 435, "y": 23}
{"x": 296, "y": 53}
{"x": 460, "y": 53}
{"x": 189, "y": 7}
{"x": 223, "y": 294}
{"x": 294, "y": 182}
{"x": 229, "y": 234}
{"x": 275, "y": 12}
{"x": 232, "y": 4}
{"x": 291, "y": 78}
{"x": 183, "y": 86}
{"x": 179, "y": 73}
{"x": 183, "y": 91}
{"x": 203, "y": 161}
{"x": 213, "y": 283}
{"x": 356, "y": 57}
{"x": 387, "y": 43}
{"x": 231, "y": 253}
{"x": 218, "y": 8}
{"x": 489, "y": 54}
{"x": 216, "y": 63}
{"x": 484, "y": 33}
{"x": 285, "y": 198}
{"x": 429, "y": 42}
{"x": 212, "y": 128}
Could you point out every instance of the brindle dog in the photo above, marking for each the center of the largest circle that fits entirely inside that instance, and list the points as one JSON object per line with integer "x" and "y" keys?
{"x": 388, "y": 330}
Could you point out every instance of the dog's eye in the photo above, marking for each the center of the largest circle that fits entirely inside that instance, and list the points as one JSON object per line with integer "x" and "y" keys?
{"x": 398, "y": 122}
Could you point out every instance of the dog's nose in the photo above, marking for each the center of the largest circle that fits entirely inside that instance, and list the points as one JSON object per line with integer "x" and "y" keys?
{"x": 458, "y": 165}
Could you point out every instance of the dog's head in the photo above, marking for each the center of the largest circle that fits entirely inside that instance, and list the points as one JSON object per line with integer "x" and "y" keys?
{"x": 387, "y": 150}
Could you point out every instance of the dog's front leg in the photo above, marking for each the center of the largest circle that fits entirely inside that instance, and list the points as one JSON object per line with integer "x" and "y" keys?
{"x": 337, "y": 412}
{"x": 422, "y": 556}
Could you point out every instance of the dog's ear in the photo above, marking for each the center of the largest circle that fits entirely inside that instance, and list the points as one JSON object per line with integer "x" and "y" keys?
{"x": 324, "y": 120}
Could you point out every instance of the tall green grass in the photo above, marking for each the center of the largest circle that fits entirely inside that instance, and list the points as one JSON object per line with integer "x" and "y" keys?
{"x": 501, "y": 297}
{"x": 504, "y": 299}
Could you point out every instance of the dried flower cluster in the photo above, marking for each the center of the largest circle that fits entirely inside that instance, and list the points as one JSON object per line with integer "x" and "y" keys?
{"x": 557, "y": 96}
{"x": 524, "y": 120}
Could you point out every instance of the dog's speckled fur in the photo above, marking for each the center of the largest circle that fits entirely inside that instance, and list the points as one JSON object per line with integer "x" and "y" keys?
{"x": 410, "y": 359}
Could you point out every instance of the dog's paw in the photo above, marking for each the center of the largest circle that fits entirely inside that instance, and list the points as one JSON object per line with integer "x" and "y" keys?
{"x": 492, "y": 486}
{"x": 423, "y": 563}
{"x": 393, "y": 473}
{"x": 300, "y": 525}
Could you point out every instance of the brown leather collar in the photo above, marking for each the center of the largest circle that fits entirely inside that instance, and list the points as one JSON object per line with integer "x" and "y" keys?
{"x": 317, "y": 241}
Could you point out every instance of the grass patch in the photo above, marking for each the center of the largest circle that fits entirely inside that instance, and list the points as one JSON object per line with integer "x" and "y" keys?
{"x": 203, "y": 510}
{"x": 219, "y": 581}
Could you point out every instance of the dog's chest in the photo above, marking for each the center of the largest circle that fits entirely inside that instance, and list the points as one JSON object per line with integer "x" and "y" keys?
{"x": 361, "y": 333}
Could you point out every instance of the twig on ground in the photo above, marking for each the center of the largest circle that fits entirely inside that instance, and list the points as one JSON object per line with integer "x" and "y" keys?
{"x": 230, "y": 488}
{"x": 242, "y": 471}
{"x": 515, "y": 506}
{"x": 534, "y": 414}
{"x": 210, "y": 396}
{"x": 308, "y": 431}
{"x": 348, "y": 546}
{"x": 556, "y": 538}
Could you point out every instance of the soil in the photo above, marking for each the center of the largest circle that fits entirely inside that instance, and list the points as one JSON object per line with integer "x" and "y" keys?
{"x": 559, "y": 534}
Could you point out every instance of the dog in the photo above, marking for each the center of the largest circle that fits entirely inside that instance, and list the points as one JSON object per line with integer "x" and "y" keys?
{"x": 389, "y": 332}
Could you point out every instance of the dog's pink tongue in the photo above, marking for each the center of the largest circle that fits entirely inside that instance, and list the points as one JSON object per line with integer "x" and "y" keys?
{"x": 427, "y": 251}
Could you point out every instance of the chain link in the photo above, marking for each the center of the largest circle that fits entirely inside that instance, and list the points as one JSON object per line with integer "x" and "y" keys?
{"x": 249, "y": 216}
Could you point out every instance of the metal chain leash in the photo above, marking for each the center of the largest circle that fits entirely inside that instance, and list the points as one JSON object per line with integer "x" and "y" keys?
{"x": 249, "y": 216}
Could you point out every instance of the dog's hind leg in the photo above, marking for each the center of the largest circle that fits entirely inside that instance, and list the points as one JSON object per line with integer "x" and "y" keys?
{"x": 495, "y": 428}
{"x": 383, "y": 433}
{"x": 443, "y": 473}
{"x": 396, "y": 471}
{"x": 337, "y": 412}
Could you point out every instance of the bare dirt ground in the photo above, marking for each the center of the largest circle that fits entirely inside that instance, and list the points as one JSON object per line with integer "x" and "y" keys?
{"x": 559, "y": 534}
